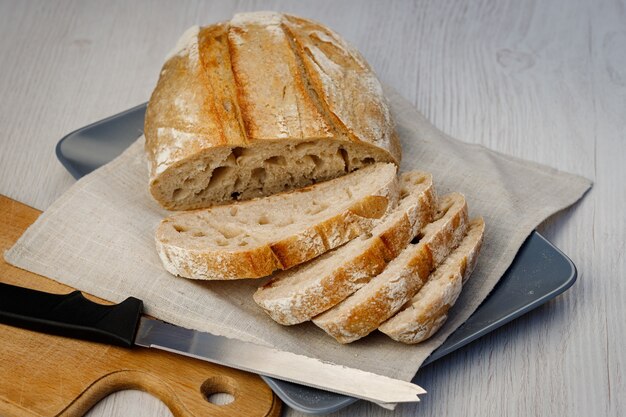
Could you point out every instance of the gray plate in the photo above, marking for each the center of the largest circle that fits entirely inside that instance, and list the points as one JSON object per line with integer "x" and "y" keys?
{"x": 539, "y": 272}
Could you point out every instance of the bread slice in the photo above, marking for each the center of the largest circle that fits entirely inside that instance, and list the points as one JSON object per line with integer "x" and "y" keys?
{"x": 297, "y": 295}
{"x": 428, "y": 309}
{"x": 384, "y": 295}
{"x": 253, "y": 239}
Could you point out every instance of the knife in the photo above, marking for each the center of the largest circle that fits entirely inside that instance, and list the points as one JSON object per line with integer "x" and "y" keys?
{"x": 123, "y": 324}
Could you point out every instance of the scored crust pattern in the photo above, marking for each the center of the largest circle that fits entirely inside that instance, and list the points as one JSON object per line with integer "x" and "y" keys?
{"x": 243, "y": 104}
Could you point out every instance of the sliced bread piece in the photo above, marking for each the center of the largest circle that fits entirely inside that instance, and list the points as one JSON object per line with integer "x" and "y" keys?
{"x": 297, "y": 295}
{"x": 252, "y": 239}
{"x": 428, "y": 309}
{"x": 362, "y": 312}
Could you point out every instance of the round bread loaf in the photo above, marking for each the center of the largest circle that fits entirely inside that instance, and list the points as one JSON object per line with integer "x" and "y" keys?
{"x": 261, "y": 104}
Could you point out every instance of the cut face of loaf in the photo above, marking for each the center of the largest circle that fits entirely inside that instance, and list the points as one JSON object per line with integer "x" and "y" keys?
{"x": 297, "y": 295}
{"x": 261, "y": 104}
{"x": 252, "y": 239}
{"x": 362, "y": 312}
{"x": 428, "y": 309}
{"x": 215, "y": 176}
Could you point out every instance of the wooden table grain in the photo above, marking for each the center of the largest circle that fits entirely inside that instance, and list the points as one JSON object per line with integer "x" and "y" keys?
{"x": 545, "y": 81}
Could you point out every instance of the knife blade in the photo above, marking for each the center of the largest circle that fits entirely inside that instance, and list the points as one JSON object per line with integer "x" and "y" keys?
{"x": 73, "y": 315}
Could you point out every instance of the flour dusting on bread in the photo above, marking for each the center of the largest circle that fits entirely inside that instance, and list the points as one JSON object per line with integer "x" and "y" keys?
{"x": 187, "y": 44}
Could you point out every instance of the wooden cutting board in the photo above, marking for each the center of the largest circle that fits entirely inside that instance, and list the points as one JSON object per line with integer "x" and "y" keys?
{"x": 44, "y": 375}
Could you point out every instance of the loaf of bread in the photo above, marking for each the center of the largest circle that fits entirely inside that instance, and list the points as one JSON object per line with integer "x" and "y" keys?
{"x": 261, "y": 104}
{"x": 252, "y": 239}
{"x": 299, "y": 294}
{"x": 282, "y": 112}
{"x": 374, "y": 303}
{"x": 428, "y": 310}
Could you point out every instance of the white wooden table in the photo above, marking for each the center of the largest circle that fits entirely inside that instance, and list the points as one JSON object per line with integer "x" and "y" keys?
{"x": 545, "y": 81}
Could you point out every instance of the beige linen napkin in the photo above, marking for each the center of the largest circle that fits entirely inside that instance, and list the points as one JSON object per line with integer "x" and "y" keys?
{"x": 99, "y": 238}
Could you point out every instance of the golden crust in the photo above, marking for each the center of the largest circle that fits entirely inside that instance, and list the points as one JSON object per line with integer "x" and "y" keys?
{"x": 260, "y": 77}
{"x": 333, "y": 288}
{"x": 326, "y": 59}
{"x": 381, "y": 298}
{"x": 331, "y": 233}
{"x": 428, "y": 310}
{"x": 273, "y": 97}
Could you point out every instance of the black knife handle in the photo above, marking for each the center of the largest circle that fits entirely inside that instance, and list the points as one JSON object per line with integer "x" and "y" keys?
{"x": 70, "y": 315}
